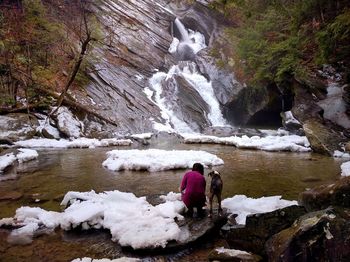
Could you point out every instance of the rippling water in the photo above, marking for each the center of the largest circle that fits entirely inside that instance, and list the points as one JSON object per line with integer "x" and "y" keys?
{"x": 253, "y": 173}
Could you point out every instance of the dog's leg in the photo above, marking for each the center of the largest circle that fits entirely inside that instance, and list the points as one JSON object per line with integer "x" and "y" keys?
{"x": 211, "y": 196}
{"x": 219, "y": 202}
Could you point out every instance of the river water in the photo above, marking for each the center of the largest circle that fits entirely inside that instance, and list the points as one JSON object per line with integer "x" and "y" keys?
{"x": 253, "y": 173}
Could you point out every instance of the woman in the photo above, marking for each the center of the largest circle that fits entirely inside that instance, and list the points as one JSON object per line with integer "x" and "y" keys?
{"x": 193, "y": 189}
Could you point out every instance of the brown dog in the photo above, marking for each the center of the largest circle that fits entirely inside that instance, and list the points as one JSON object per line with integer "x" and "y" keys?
{"x": 215, "y": 189}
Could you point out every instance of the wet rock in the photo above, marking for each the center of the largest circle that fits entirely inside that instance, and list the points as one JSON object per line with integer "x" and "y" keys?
{"x": 38, "y": 198}
{"x": 260, "y": 227}
{"x": 6, "y": 141}
{"x": 310, "y": 178}
{"x": 335, "y": 194}
{"x": 14, "y": 127}
{"x": 12, "y": 195}
{"x": 59, "y": 197}
{"x": 233, "y": 255}
{"x": 319, "y": 236}
{"x": 225, "y": 131}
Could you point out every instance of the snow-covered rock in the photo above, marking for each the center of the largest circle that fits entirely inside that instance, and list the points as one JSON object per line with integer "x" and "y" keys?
{"x": 243, "y": 206}
{"x": 25, "y": 155}
{"x": 157, "y": 160}
{"x": 68, "y": 124}
{"x": 6, "y": 161}
{"x": 132, "y": 221}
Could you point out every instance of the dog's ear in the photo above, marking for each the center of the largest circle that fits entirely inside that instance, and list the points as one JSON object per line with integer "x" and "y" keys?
{"x": 210, "y": 174}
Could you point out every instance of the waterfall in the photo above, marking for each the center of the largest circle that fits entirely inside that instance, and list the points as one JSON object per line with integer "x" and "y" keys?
{"x": 182, "y": 30}
{"x": 164, "y": 89}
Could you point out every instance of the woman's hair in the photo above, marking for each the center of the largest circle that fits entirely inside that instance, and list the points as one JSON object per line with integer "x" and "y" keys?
{"x": 198, "y": 167}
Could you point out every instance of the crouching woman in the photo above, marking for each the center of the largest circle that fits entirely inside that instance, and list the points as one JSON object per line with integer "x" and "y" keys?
{"x": 193, "y": 190}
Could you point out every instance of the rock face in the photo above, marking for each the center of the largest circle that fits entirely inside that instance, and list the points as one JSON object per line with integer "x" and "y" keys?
{"x": 138, "y": 35}
{"x": 138, "y": 41}
{"x": 319, "y": 236}
{"x": 336, "y": 194}
{"x": 260, "y": 227}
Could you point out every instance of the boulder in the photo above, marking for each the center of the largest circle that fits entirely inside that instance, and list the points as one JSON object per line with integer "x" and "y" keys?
{"x": 68, "y": 124}
{"x": 260, "y": 227}
{"x": 335, "y": 194}
{"x": 319, "y": 236}
{"x": 324, "y": 137}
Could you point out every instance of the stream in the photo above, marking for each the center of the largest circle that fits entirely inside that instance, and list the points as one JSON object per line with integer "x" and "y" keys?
{"x": 44, "y": 182}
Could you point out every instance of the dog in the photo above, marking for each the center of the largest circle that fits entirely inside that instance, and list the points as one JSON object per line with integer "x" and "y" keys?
{"x": 216, "y": 185}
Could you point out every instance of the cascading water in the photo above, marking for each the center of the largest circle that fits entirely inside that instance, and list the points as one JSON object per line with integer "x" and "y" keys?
{"x": 165, "y": 91}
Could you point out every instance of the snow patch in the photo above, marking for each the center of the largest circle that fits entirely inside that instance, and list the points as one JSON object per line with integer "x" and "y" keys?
{"x": 243, "y": 205}
{"x": 231, "y": 252}
{"x": 121, "y": 259}
{"x": 293, "y": 143}
{"x": 142, "y": 136}
{"x": 158, "y": 160}
{"x": 132, "y": 221}
{"x": 345, "y": 169}
{"x": 340, "y": 154}
{"x": 76, "y": 143}
{"x": 290, "y": 119}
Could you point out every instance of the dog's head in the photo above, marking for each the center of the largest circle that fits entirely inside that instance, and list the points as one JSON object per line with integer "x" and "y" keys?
{"x": 213, "y": 174}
